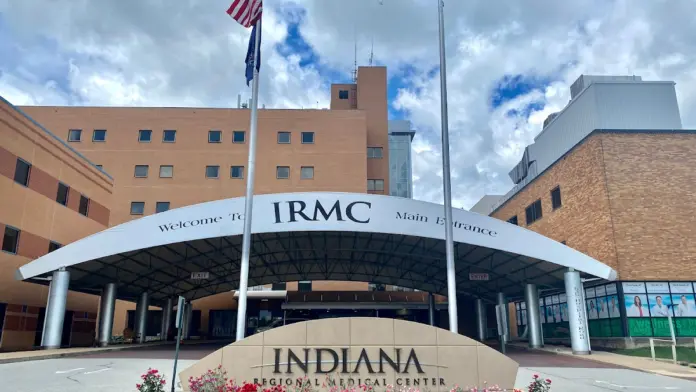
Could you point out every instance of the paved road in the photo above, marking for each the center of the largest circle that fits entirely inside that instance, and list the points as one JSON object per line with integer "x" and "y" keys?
{"x": 119, "y": 371}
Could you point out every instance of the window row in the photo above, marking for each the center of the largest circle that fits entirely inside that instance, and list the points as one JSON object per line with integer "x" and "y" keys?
{"x": 138, "y": 207}
{"x": 23, "y": 173}
{"x": 213, "y": 171}
{"x": 534, "y": 212}
{"x": 169, "y": 136}
{"x": 10, "y": 241}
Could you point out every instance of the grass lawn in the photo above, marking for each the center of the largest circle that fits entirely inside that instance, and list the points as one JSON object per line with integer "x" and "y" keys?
{"x": 687, "y": 354}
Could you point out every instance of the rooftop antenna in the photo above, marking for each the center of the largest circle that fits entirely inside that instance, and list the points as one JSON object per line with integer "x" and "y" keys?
{"x": 355, "y": 54}
{"x": 372, "y": 50}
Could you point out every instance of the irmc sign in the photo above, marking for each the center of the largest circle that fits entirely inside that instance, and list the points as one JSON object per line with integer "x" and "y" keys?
{"x": 295, "y": 210}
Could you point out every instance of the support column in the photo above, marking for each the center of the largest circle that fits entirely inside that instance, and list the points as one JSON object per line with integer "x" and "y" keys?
{"x": 106, "y": 313}
{"x": 186, "y": 321}
{"x": 431, "y": 308}
{"x": 579, "y": 336}
{"x": 141, "y": 317}
{"x": 55, "y": 309}
{"x": 531, "y": 297}
{"x": 166, "y": 318}
{"x": 502, "y": 300}
{"x": 481, "y": 320}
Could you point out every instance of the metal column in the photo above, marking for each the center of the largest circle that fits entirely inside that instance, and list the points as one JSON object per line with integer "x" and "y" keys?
{"x": 106, "y": 313}
{"x": 188, "y": 312}
{"x": 431, "y": 308}
{"x": 141, "y": 317}
{"x": 55, "y": 309}
{"x": 531, "y": 297}
{"x": 481, "y": 320}
{"x": 502, "y": 300}
{"x": 166, "y": 318}
{"x": 579, "y": 336}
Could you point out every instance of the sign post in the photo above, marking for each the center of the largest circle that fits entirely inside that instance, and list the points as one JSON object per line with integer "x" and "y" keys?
{"x": 179, "y": 317}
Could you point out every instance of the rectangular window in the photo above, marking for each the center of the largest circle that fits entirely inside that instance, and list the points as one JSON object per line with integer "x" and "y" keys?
{"x": 144, "y": 136}
{"x": 237, "y": 172}
{"x": 99, "y": 135}
{"x": 533, "y": 212}
{"x": 10, "y": 239}
{"x": 283, "y": 137}
{"x": 307, "y": 172}
{"x": 161, "y": 206}
{"x": 169, "y": 136}
{"x": 62, "y": 195}
{"x": 374, "y": 152}
{"x": 282, "y": 172}
{"x": 307, "y": 137}
{"x": 556, "y": 197}
{"x": 53, "y": 246}
{"x": 238, "y": 136}
{"x": 74, "y": 135}
{"x": 304, "y": 286}
{"x": 166, "y": 171}
{"x": 84, "y": 205}
{"x": 375, "y": 185}
{"x": 279, "y": 286}
{"x": 513, "y": 220}
{"x": 342, "y": 94}
{"x": 22, "y": 170}
{"x": 141, "y": 171}
{"x": 212, "y": 171}
{"x": 214, "y": 136}
{"x": 137, "y": 208}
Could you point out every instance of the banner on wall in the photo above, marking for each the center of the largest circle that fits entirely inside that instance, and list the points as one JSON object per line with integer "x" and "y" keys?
{"x": 659, "y": 304}
{"x": 613, "y": 305}
{"x": 657, "y": 287}
{"x": 633, "y": 287}
{"x": 636, "y": 305}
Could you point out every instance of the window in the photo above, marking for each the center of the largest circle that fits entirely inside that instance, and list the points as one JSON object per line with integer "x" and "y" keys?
{"x": 99, "y": 135}
{"x": 342, "y": 94}
{"x": 556, "y": 197}
{"x": 513, "y": 220}
{"x": 283, "y": 137}
{"x": 307, "y": 172}
{"x": 74, "y": 135}
{"x": 161, "y": 206}
{"x": 237, "y": 172}
{"x": 212, "y": 171}
{"x": 307, "y": 137}
{"x": 141, "y": 171}
{"x": 144, "y": 136}
{"x": 100, "y": 167}
{"x": 238, "y": 137}
{"x": 52, "y": 246}
{"x": 279, "y": 286}
{"x": 166, "y": 171}
{"x": 533, "y": 212}
{"x": 10, "y": 239}
{"x": 214, "y": 136}
{"x": 137, "y": 207}
{"x": 375, "y": 185}
{"x": 84, "y": 205}
{"x": 304, "y": 286}
{"x": 283, "y": 172}
{"x": 22, "y": 170}
{"x": 376, "y": 287}
{"x": 374, "y": 152}
{"x": 62, "y": 195}
{"x": 169, "y": 136}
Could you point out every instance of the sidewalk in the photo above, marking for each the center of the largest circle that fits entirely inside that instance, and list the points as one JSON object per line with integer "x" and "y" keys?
{"x": 637, "y": 363}
{"x": 33, "y": 355}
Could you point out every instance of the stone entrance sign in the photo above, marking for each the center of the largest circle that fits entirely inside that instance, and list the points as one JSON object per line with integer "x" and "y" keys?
{"x": 353, "y": 351}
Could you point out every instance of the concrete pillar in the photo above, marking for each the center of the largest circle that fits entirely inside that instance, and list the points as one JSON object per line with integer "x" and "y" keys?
{"x": 186, "y": 321}
{"x": 166, "y": 317}
{"x": 55, "y": 309}
{"x": 481, "y": 320}
{"x": 502, "y": 300}
{"x": 106, "y": 313}
{"x": 577, "y": 315}
{"x": 531, "y": 297}
{"x": 141, "y": 317}
{"x": 431, "y": 308}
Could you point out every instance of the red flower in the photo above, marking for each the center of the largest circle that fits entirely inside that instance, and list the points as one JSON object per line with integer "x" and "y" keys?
{"x": 548, "y": 381}
{"x": 536, "y": 376}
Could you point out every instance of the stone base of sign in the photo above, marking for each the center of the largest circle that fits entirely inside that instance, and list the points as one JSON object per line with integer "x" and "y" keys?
{"x": 354, "y": 351}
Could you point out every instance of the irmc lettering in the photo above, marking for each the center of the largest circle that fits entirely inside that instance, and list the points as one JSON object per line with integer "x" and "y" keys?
{"x": 328, "y": 361}
{"x": 298, "y": 210}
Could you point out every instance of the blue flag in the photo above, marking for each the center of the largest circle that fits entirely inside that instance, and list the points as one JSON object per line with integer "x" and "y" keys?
{"x": 250, "y": 58}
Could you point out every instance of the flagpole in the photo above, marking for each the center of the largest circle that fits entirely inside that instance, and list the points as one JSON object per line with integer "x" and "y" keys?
{"x": 449, "y": 244}
{"x": 249, "y": 199}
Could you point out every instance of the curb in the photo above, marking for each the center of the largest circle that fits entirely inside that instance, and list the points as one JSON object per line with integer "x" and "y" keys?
{"x": 79, "y": 353}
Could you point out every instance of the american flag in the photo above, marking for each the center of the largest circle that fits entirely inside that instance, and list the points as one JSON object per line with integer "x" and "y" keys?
{"x": 246, "y": 12}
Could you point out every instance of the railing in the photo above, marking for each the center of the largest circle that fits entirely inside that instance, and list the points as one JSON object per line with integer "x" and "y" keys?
{"x": 673, "y": 342}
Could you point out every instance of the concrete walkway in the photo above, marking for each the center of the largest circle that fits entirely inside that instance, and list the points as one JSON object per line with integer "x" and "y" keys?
{"x": 33, "y": 355}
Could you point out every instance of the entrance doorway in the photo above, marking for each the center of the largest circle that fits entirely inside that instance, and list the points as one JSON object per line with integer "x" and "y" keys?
{"x": 67, "y": 328}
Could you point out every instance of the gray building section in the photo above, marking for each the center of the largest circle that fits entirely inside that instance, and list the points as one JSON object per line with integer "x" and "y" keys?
{"x": 597, "y": 102}
{"x": 400, "y": 162}
{"x": 484, "y": 205}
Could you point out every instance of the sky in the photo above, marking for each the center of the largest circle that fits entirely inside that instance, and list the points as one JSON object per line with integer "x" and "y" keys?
{"x": 509, "y": 63}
